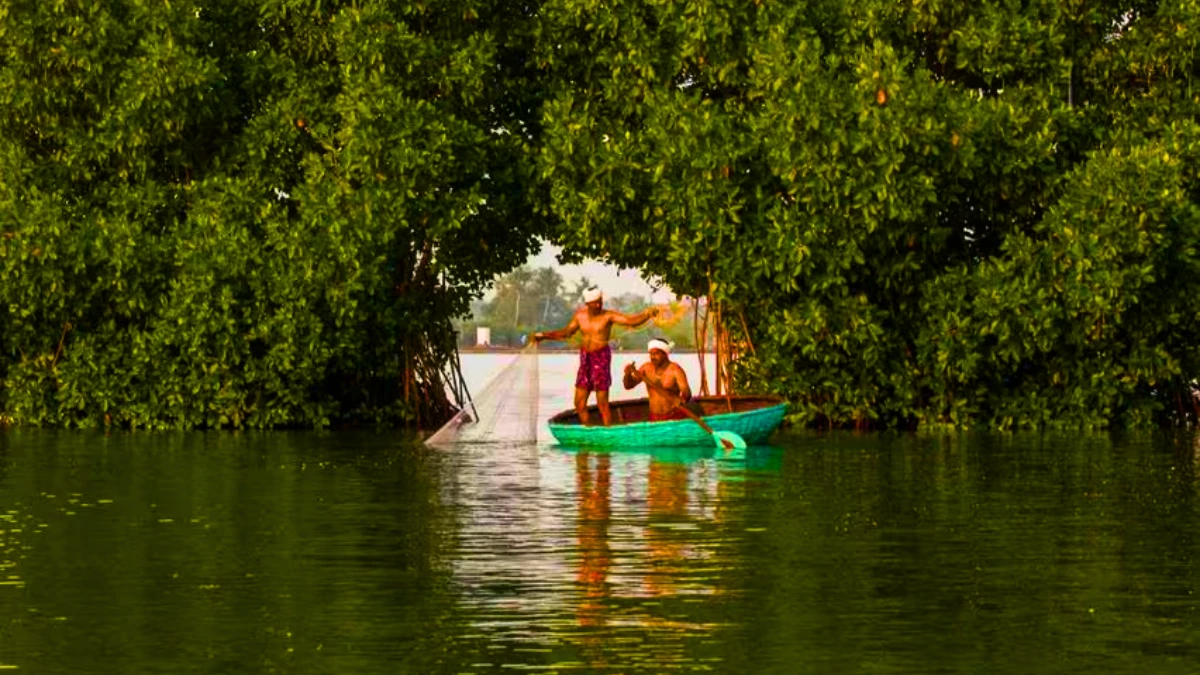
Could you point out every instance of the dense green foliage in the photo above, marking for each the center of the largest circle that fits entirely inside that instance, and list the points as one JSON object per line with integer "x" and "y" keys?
{"x": 265, "y": 212}
{"x": 925, "y": 213}
{"x": 255, "y": 213}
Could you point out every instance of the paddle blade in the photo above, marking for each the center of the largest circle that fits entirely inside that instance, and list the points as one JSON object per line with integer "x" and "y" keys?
{"x": 735, "y": 442}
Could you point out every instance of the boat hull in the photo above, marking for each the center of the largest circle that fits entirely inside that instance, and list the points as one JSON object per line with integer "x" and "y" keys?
{"x": 754, "y": 425}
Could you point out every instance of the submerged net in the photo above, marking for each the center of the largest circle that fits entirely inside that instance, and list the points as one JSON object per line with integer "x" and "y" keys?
{"x": 504, "y": 411}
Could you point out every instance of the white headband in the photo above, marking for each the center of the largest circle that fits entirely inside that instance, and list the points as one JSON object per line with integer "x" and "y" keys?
{"x": 659, "y": 344}
{"x": 592, "y": 294}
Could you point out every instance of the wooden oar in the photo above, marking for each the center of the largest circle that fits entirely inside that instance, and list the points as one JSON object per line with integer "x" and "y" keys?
{"x": 725, "y": 439}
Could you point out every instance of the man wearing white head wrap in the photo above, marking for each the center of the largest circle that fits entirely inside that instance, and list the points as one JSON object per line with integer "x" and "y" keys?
{"x": 666, "y": 384}
{"x": 594, "y": 323}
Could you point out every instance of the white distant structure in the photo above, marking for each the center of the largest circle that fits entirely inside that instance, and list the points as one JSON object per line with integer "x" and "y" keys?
{"x": 483, "y": 336}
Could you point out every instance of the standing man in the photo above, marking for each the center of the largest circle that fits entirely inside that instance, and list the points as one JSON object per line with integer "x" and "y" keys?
{"x": 666, "y": 383}
{"x": 595, "y": 355}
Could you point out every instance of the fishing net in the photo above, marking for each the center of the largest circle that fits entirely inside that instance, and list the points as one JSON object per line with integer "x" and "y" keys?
{"x": 504, "y": 411}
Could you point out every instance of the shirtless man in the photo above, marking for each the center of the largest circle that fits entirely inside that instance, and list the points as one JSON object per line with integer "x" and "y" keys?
{"x": 666, "y": 383}
{"x": 595, "y": 356}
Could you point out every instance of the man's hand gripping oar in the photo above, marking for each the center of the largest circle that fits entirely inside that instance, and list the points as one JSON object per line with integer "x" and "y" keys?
{"x": 724, "y": 442}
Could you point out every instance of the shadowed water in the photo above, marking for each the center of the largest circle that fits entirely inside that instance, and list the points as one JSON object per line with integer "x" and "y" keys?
{"x": 370, "y": 553}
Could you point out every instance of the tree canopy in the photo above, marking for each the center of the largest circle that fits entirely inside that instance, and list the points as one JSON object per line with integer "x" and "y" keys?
{"x": 918, "y": 213}
{"x": 250, "y": 212}
{"x": 265, "y": 212}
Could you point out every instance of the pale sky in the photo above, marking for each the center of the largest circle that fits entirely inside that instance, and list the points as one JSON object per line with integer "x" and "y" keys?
{"x": 612, "y": 280}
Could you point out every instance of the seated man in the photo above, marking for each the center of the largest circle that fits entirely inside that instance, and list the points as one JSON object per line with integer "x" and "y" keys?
{"x": 666, "y": 383}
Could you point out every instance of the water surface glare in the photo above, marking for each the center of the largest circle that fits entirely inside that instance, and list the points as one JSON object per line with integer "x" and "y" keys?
{"x": 369, "y": 553}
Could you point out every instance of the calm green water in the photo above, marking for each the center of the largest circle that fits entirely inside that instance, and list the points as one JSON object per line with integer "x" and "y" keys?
{"x": 362, "y": 553}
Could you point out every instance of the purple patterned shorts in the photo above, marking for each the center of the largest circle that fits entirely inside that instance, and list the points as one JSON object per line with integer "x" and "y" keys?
{"x": 595, "y": 370}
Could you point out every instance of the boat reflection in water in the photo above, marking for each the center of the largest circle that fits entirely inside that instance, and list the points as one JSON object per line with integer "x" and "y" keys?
{"x": 650, "y": 539}
{"x": 596, "y": 557}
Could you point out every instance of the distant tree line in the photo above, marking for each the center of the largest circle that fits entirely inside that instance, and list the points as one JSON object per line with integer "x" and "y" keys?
{"x": 269, "y": 212}
{"x": 527, "y": 300}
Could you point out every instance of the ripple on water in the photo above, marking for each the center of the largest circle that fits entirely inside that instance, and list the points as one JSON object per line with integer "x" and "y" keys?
{"x": 831, "y": 554}
{"x": 15, "y": 528}
{"x": 599, "y": 555}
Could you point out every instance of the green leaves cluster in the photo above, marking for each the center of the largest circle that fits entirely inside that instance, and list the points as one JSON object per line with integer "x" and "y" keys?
{"x": 926, "y": 213}
{"x": 265, "y": 212}
{"x": 247, "y": 213}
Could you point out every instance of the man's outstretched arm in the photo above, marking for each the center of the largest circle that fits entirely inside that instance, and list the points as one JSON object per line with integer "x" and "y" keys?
{"x": 560, "y": 334}
{"x": 636, "y": 319}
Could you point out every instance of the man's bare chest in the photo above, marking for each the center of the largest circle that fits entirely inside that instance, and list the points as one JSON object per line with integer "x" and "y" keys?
{"x": 589, "y": 324}
{"x": 665, "y": 377}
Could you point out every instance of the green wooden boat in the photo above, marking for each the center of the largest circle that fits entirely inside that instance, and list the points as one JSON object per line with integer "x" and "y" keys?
{"x": 753, "y": 418}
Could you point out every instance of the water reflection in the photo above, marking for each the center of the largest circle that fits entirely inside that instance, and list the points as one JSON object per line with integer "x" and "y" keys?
{"x": 645, "y": 543}
{"x": 550, "y": 552}
{"x": 367, "y": 554}
{"x": 593, "y": 491}
{"x": 593, "y": 494}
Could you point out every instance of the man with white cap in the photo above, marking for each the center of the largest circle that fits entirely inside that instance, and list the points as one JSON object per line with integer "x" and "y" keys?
{"x": 595, "y": 355}
{"x": 666, "y": 383}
